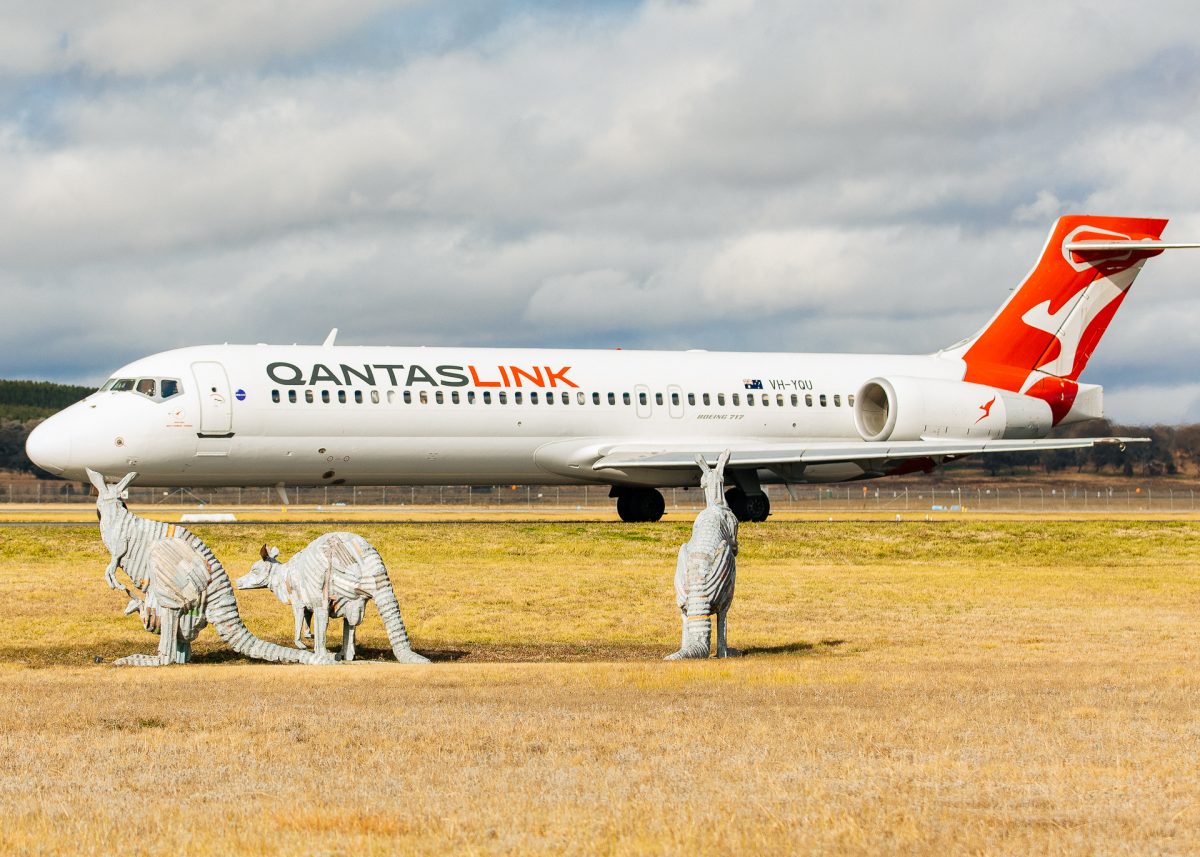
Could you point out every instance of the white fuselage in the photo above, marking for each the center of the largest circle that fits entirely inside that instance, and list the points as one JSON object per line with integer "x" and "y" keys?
{"x": 313, "y": 415}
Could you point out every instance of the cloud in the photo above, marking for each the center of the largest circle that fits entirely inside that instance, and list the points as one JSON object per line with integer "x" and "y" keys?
{"x": 750, "y": 175}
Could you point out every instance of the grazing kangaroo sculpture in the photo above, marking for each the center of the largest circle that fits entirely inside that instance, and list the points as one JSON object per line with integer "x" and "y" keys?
{"x": 184, "y": 584}
{"x": 706, "y": 569}
{"x": 333, "y": 576}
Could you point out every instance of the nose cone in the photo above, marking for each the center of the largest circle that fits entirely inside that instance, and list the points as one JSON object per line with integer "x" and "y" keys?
{"x": 49, "y": 446}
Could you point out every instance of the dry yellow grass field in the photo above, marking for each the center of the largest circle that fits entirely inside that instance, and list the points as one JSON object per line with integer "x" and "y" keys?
{"x": 950, "y": 687}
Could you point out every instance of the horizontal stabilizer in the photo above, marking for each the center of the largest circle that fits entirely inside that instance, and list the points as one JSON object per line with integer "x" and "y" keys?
{"x": 770, "y": 455}
{"x": 1104, "y": 246}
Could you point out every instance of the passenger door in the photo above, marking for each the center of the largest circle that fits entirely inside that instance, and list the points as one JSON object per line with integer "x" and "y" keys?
{"x": 216, "y": 409}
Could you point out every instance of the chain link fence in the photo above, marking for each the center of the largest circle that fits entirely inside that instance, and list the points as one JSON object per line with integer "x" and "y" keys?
{"x": 994, "y": 496}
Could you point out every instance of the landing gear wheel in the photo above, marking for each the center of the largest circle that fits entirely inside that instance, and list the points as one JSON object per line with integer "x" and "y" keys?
{"x": 641, "y": 505}
{"x": 755, "y": 507}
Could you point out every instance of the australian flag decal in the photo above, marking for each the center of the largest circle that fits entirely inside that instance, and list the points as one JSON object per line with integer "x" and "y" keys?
{"x": 752, "y": 383}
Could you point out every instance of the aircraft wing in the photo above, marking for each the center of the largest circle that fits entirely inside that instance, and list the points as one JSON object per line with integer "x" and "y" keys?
{"x": 772, "y": 455}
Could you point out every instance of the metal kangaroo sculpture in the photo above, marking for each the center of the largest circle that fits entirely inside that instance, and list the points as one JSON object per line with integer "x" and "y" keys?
{"x": 706, "y": 569}
{"x": 185, "y": 587}
{"x": 333, "y": 576}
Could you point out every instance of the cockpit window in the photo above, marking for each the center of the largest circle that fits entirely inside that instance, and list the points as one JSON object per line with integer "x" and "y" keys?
{"x": 157, "y": 389}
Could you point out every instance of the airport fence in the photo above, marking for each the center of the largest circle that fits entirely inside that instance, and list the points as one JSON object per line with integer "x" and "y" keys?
{"x": 852, "y": 497}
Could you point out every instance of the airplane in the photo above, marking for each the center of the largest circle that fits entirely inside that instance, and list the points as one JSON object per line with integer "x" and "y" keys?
{"x": 269, "y": 415}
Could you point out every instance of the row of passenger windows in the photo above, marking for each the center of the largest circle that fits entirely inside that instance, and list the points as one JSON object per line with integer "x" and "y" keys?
{"x": 501, "y": 397}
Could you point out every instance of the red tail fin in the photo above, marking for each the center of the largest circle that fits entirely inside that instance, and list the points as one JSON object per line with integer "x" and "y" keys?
{"x": 1051, "y": 324}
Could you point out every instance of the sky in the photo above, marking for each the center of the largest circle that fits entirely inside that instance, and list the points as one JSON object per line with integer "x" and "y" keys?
{"x": 760, "y": 176}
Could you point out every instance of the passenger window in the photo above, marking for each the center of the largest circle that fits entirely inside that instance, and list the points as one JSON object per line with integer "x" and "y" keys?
{"x": 274, "y": 395}
{"x": 766, "y": 400}
{"x": 749, "y": 399}
{"x": 470, "y": 397}
{"x": 358, "y": 397}
{"x": 795, "y": 401}
{"x": 308, "y": 396}
{"x": 850, "y": 400}
{"x": 736, "y": 400}
{"x": 549, "y": 398}
{"x": 658, "y": 398}
{"x": 691, "y": 398}
{"x": 706, "y": 399}
{"x": 145, "y": 386}
{"x": 170, "y": 387}
{"x": 808, "y": 400}
{"x": 721, "y": 399}
{"x": 533, "y": 398}
{"x": 822, "y": 399}
{"x": 566, "y": 398}
{"x": 440, "y": 397}
{"x": 612, "y": 398}
{"x": 391, "y": 397}
{"x": 424, "y": 395}
{"x": 517, "y": 396}
{"x": 341, "y": 397}
{"x": 408, "y": 397}
{"x": 487, "y": 397}
{"x": 595, "y": 398}
{"x": 454, "y": 397}
{"x": 502, "y": 397}
{"x": 292, "y": 396}
{"x": 374, "y": 397}
{"x": 642, "y": 398}
{"x": 325, "y": 396}
{"x": 674, "y": 398}
{"x": 837, "y": 400}
{"x": 625, "y": 398}
{"x": 579, "y": 398}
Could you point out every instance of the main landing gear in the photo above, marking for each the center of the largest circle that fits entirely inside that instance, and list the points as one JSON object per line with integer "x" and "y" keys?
{"x": 639, "y": 505}
{"x": 748, "y": 507}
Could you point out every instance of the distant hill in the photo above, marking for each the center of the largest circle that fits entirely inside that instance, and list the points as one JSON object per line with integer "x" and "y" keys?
{"x": 31, "y": 400}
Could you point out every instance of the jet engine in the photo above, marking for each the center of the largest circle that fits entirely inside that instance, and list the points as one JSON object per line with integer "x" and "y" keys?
{"x": 903, "y": 408}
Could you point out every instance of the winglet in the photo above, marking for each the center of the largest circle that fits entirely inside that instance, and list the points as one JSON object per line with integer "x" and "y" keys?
{"x": 329, "y": 339}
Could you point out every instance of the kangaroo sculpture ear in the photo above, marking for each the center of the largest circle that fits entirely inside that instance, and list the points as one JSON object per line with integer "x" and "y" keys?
{"x": 97, "y": 480}
{"x": 702, "y": 463}
{"x": 124, "y": 483}
{"x": 263, "y": 552}
{"x": 274, "y": 553}
{"x": 721, "y": 462}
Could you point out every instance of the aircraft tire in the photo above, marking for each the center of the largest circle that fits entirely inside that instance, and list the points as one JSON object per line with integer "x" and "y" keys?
{"x": 642, "y": 505}
{"x": 758, "y": 507}
{"x": 735, "y": 498}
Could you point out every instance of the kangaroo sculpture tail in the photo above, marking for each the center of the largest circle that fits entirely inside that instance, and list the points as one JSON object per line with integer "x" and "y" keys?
{"x": 389, "y": 611}
{"x": 222, "y": 614}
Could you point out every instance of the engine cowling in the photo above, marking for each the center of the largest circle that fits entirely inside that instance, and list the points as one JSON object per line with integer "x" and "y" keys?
{"x": 904, "y": 408}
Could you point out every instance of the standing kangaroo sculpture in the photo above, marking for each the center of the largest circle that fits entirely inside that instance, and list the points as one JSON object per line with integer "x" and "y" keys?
{"x": 706, "y": 569}
{"x": 184, "y": 584}
{"x": 333, "y": 576}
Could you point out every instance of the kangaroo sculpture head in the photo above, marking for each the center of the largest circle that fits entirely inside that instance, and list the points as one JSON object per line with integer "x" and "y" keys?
{"x": 110, "y": 499}
{"x": 260, "y": 574}
{"x": 712, "y": 480}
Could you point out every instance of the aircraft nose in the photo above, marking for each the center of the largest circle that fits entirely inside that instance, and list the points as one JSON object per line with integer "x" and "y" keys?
{"x": 49, "y": 446}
